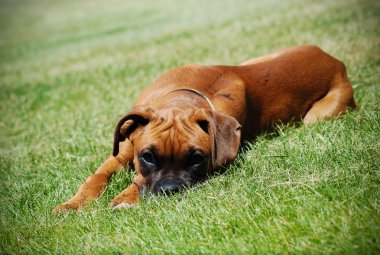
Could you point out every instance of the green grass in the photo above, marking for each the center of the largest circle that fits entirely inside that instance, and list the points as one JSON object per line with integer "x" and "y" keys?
{"x": 70, "y": 69}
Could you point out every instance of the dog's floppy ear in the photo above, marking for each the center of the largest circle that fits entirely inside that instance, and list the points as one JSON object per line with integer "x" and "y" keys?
{"x": 225, "y": 133}
{"x": 137, "y": 116}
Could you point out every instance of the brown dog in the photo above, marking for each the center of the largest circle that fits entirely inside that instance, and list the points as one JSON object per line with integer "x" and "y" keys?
{"x": 191, "y": 120}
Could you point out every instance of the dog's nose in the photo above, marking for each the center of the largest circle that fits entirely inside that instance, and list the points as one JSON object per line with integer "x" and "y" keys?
{"x": 169, "y": 188}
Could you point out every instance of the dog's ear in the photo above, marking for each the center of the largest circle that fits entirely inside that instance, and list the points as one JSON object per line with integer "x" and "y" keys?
{"x": 225, "y": 133}
{"x": 137, "y": 116}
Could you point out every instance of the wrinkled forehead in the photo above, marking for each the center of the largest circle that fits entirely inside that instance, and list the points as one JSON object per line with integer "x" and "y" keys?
{"x": 174, "y": 132}
{"x": 175, "y": 114}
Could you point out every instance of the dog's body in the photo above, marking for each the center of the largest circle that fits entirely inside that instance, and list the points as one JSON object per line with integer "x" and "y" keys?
{"x": 191, "y": 120}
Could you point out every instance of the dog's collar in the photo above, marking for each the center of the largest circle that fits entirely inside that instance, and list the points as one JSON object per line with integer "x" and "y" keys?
{"x": 198, "y": 93}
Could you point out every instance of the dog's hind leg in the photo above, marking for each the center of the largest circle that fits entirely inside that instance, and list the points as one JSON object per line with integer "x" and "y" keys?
{"x": 274, "y": 55}
{"x": 95, "y": 183}
{"x": 336, "y": 102}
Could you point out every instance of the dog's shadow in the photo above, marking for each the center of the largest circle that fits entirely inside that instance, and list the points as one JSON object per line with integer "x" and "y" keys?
{"x": 247, "y": 145}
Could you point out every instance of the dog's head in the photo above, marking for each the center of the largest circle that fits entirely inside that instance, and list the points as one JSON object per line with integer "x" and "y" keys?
{"x": 176, "y": 148}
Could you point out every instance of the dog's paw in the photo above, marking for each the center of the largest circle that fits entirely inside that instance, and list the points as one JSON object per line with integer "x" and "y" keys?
{"x": 123, "y": 205}
{"x": 65, "y": 207}
{"x": 123, "y": 202}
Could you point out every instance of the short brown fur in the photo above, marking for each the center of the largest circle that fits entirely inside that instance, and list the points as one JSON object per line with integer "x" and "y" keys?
{"x": 299, "y": 83}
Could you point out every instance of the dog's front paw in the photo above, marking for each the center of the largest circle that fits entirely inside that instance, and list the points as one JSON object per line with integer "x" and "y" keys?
{"x": 128, "y": 198}
{"x": 69, "y": 205}
{"x": 123, "y": 202}
{"x": 122, "y": 205}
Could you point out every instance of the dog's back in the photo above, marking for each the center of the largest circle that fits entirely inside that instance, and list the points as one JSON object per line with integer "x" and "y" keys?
{"x": 299, "y": 82}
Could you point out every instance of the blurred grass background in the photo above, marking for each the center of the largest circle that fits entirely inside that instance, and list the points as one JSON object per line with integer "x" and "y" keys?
{"x": 70, "y": 69}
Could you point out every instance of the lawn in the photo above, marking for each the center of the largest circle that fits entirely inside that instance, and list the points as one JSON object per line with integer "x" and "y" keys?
{"x": 70, "y": 69}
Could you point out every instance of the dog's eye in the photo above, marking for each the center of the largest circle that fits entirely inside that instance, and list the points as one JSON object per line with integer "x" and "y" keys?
{"x": 196, "y": 159}
{"x": 147, "y": 157}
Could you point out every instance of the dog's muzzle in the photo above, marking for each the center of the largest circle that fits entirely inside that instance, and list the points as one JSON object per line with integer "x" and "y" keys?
{"x": 169, "y": 186}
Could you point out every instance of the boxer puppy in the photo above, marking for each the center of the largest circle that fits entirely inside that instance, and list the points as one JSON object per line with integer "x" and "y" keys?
{"x": 190, "y": 122}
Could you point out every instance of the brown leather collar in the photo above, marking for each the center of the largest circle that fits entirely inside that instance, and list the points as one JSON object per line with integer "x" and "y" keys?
{"x": 198, "y": 93}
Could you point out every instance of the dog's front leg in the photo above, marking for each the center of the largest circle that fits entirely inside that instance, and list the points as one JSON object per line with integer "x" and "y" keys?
{"x": 129, "y": 197}
{"x": 95, "y": 183}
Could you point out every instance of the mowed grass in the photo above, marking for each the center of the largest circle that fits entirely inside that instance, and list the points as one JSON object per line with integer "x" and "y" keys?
{"x": 69, "y": 70}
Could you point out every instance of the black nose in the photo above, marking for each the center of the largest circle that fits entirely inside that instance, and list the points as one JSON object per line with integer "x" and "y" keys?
{"x": 169, "y": 188}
